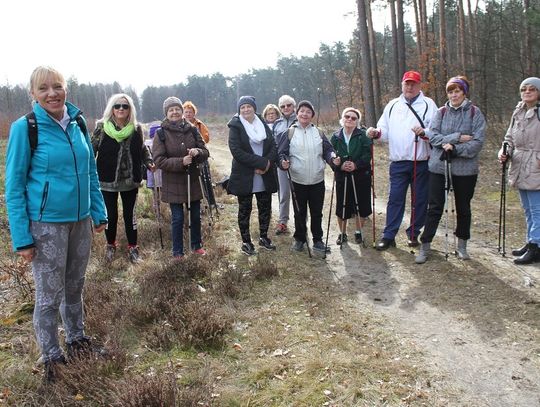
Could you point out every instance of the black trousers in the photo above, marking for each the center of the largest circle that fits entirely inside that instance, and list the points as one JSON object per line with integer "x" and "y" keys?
{"x": 312, "y": 195}
{"x": 362, "y": 184}
{"x": 463, "y": 192}
{"x": 264, "y": 207}
{"x": 129, "y": 198}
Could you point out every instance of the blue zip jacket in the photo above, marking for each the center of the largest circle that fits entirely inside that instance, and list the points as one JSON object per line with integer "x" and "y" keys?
{"x": 57, "y": 184}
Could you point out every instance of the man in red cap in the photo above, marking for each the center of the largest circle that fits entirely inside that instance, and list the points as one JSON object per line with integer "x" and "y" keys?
{"x": 403, "y": 124}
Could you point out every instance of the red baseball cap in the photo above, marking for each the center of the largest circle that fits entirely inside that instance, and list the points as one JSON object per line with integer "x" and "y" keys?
{"x": 412, "y": 76}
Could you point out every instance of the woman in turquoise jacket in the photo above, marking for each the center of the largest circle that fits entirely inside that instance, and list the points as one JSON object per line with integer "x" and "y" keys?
{"x": 52, "y": 197}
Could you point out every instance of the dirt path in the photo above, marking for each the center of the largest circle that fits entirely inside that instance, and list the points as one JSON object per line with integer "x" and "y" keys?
{"x": 477, "y": 322}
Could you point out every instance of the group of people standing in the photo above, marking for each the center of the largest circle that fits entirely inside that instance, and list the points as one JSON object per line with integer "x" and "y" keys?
{"x": 61, "y": 183}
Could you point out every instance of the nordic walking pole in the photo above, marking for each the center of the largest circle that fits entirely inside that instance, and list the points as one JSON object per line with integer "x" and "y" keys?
{"x": 343, "y": 224}
{"x": 446, "y": 195}
{"x": 330, "y": 214}
{"x": 373, "y": 197}
{"x": 205, "y": 198}
{"x": 297, "y": 208}
{"x": 502, "y": 205}
{"x": 452, "y": 201}
{"x": 356, "y": 204}
{"x": 157, "y": 204}
{"x": 413, "y": 191}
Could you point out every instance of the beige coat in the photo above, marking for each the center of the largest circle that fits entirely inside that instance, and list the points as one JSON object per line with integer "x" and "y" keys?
{"x": 523, "y": 138}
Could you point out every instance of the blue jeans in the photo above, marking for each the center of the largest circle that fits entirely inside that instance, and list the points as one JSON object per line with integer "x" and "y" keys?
{"x": 177, "y": 212}
{"x": 530, "y": 200}
{"x": 401, "y": 176}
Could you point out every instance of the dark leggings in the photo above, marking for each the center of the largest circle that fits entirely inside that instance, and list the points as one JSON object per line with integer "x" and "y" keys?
{"x": 129, "y": 198}
{"x": 264, "y": 207}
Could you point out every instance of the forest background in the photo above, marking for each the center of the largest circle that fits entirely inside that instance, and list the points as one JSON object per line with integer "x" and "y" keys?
{"x": 494, "y": 43}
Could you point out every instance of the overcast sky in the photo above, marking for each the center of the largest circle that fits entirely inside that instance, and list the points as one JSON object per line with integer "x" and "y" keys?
{"x": 161, "y": 42}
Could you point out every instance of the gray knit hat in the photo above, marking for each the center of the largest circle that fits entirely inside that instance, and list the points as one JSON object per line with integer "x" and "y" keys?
{"x": 170, "y": 102}
{"x": 534, "y": 81}
{"x": 308, "y": 104}
{"x": 246, "y": 100}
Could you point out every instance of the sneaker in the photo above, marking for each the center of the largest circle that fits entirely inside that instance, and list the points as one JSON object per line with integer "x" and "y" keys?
{"x": 248, "y": 249}
{"x": 281, "y": 229}
{"x": 358, "y": 237}
{"x": 342, "y": 238}
{"x": 84, "y": 348}
{"x": 298, "y": 245}
{"x": 200, "y": 251}
{"x": 266, "y": 243}
{"x": 52, "y": 369}
{"x": 320, "y": 247}
{"x": 109, "y": 252}
{"x": 133, "y": 255}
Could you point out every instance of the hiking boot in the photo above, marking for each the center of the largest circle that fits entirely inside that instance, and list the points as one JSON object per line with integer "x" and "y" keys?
{"x": 248, "y": 249}
{"x": 413, "y": 242}
{"x": 52, "y": 369}
{"x": 109, "y": 252}
{"x": 385, "y": 243}
{"x": 320, "y": 247}
{"x": 521, "y": 251}
{"x": 84, "y": 348}
{"x": 342, "y": 238}
{"x": 532, "y": 255}
{"x": 133, "y": 255}
{"x": 358, "y": 237}
{"x": 461, "y": 250}
{"x": 281, "y": 229}
{"x": 266, "y": 243}
{"x": 298, "y": 245}
{"x": 200, "y": 251}
{"x": 423, "y": 254}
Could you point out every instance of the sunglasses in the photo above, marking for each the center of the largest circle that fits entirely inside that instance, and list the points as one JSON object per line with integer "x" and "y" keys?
{"x": 121, "y": 106}
{"x": 287, "y": 105}
{"x": 349, "y": 117}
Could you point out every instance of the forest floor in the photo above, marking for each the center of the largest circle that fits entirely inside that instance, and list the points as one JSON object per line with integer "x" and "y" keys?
{"x": 477, "y": 322}
{"x": 361, "y": 328}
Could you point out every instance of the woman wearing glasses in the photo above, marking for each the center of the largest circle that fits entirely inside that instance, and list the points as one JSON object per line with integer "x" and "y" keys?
{"x": 120, "y": 150}
{"x": 353, "y": 173}
{"x": 523, "y": 152}
{"x": 457, "y": 135}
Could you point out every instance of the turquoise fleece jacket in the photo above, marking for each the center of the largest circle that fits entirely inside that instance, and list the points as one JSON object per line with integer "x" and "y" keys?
{"x": 56, "y": 184}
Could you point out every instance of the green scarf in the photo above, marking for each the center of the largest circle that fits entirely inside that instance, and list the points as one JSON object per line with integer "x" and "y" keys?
{"x": 118, "y": 135}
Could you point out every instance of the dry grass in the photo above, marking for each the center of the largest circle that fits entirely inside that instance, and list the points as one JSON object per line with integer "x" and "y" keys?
{"x": 221, "y": 330}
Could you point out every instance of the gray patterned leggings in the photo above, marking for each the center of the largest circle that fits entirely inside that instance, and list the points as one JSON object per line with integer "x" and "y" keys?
{"x": 62, "y": 253}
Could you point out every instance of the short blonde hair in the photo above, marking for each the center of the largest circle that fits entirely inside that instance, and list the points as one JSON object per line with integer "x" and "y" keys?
{"x": 188, "y": 104}
{"x": 41, "y": 73}
{"x": 113, "y": 100}
{"x": 269, "y": 108}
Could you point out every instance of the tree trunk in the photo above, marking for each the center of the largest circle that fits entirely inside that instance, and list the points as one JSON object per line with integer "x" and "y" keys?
{"x": 462, "y": 45}
{"x": 527, "y": 40}
{"x": 442, "y": 41}
{"x": 369, "y": 102}
{"x": 397, "y": 77}
{"x": 374, "y": 63}
{"x": 402, "y": 60}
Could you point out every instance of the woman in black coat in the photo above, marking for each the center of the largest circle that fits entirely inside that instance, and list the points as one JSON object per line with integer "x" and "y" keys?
{"x": 253, "y": 171}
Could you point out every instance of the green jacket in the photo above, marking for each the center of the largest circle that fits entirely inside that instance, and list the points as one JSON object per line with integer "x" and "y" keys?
{"x": 358, "y": 151}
